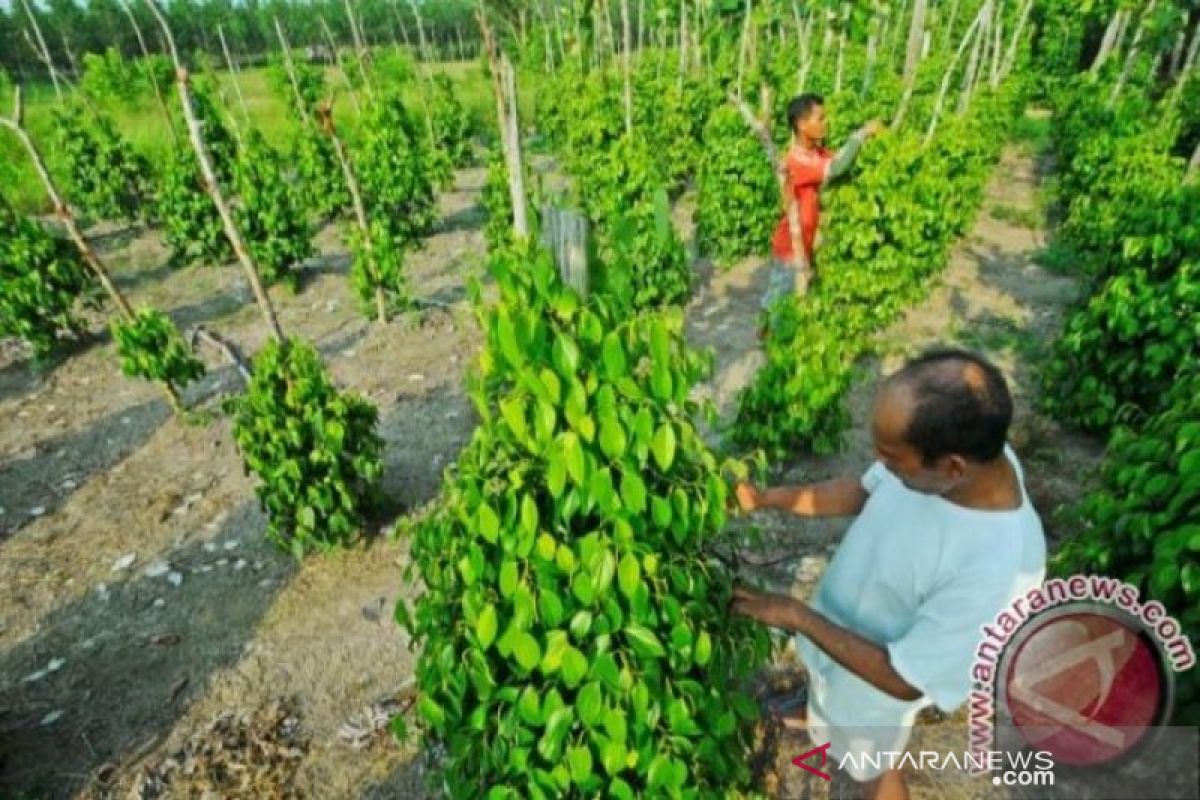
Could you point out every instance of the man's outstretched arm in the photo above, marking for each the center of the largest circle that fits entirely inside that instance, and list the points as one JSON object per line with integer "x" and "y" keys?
{"x": 845, "y": 157}
{"x": 839, "y": 497}
{"x": 856, "y": 653}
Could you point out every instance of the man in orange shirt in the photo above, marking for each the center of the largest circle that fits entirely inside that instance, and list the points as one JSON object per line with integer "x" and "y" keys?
{"x": 810, "y": 167}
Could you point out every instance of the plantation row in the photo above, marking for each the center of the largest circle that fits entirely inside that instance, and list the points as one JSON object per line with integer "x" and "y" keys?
{"x": 224, "y": 192}
{"x": 1128, "y": 364}
{"x": 574, "y": 631}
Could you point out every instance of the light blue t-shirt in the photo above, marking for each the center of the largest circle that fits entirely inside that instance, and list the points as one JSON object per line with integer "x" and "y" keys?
{"x": 919, "y": 575}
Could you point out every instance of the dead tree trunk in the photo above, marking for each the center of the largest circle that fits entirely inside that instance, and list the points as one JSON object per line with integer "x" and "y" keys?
{"x": 626, "y": 34}
{"x": 290, "y": 68}
{"x": 762, "y": 128}
{"x": 841, "y": 54}
{"x": 968, "y": 86}
{"x": 212, "y": 186}
{"x": 158, "y": 95}
{"x": 944, "y": 89}
{"x": 234, "y": 75}
{"x": 743, "y": 46}
{"x": 341, "y": 65}
{"x": 504, "y": 88}
{"x": 1106, "y": 44}
{"x": 1131, "y": 57}
{"x": 325, "y": 114}
{"x": 916, "y": 37}
{"x": 41, "y": 48}
{"x": 1010, "y": 58}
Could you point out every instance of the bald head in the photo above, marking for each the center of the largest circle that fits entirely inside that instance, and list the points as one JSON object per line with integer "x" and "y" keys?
{"x": 948, "y": 402}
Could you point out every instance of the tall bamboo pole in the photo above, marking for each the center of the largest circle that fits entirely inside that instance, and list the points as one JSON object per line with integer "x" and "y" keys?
{"x": 45, "y": 51}
{"x": 234, "y": 74}
{"x": 1131, "y": 57}
{"x": 158, "y": 95}
{"x": 337, "y": 57}
{"x": 212, "y": 185}
{"x": 967, "y": 39}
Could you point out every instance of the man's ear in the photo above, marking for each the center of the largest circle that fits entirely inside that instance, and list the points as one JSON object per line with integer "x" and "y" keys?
{"x": 954, "y": 467}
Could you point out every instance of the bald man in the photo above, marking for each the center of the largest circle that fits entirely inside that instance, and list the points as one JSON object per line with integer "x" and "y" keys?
{"x": 944, "y": 536}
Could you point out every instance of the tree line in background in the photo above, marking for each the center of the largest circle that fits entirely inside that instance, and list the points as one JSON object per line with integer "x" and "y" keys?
{"x": 74, "y": 28}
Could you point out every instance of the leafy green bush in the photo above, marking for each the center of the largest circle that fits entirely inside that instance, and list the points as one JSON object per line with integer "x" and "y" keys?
{"x": 392, "y": 165}
{"x": 641, "y": 256}
{"x": 190, "y": 221}
{"x": 41, "y": 280}
{"x": 451, "y": 122}
{"x": 1143, "y": 523}
{"x": 1133, "y": 226}
{"x": 105, "y": 178}
{"x": 313, "y": 448}
{"x": 738, "y": 195}
{"x": 270, "y": 215}
{"x": 574, "y": 628}
{"x": 108, "y": 77}
{"x": 310, "y": 79}
{"x": 152, "y": 348}
{"x": 319, "y": 174}
{"x": 887, "y": 232}
{"x": 1121, "y": 351}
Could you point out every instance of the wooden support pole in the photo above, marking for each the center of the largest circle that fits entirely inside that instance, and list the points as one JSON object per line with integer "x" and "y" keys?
{"x": 158, "y": 94}
{"x": 1131, "y": 57}
{"x": 325, "y": 117}
{"x": 944, "y": 89}
{"x": 504, "y": 89}
{"x": 626, "y": 43}
{"x": 41, "y": 48}
{"x": 234, "y": 74}
{"x": 290, "y": 68}
{"x": 212, "y": 185}
{"x": 916, "y": 37}
{"x": 1010, "y": 58}
{"x": 337, "y": 56}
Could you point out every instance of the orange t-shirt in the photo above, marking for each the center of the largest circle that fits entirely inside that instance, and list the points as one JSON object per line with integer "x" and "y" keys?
{"x": 806, "y": 173}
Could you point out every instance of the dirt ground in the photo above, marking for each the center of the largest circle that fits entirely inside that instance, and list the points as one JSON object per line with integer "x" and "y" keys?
{"x": 140, "y": 605}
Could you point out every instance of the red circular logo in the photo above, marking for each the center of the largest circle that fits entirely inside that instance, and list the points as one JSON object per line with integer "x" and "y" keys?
{"x": 1085, "y": 684}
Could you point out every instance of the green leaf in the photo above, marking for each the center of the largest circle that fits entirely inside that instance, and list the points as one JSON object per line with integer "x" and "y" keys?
{"x": 613, "y": 354}
{"x": 612, "y": 438}
{"x": 487, "y": 523}
{"x": 525, "y": 649}
{"x": 579, "y": 759}
{"x": 565, "y": 355}
{"x": 703, "y": 650}
{"x": 581, "y": 623}
{"x": 509, "y": 578}
{"x": 629, "y": 574}
{"x": 574, "y": 667}
{"x": 513, "y": 411}
{"x": 573, "y": 456}
{"x": 644, "y": 642}
{"x": 589, "y": 703}
{"x": 529, "y": 515}
{"x": 485, "y": 626}
{"x": 633, "y": 492}
{"x": 556, "y": 473}
{"x": 663, "y": 446}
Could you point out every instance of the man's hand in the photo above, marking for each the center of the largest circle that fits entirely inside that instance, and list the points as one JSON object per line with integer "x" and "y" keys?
{"x": 748, "y": 496}
{"x": 774, "y": 610}
{"x": 873, "y": 128}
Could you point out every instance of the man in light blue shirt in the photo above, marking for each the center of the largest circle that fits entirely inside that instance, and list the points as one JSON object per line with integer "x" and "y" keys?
{"x": 944, "y": 537}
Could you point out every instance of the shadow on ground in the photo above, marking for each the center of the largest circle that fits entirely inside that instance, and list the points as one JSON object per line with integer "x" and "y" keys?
{"x": 94, "y": 686}
{"x": 56, "y": 467}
